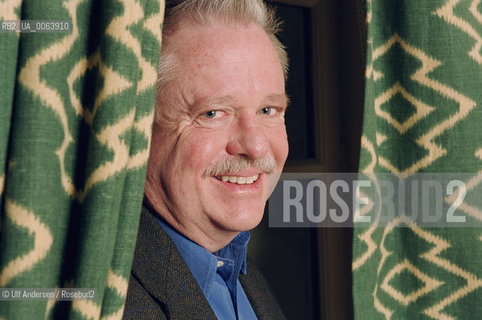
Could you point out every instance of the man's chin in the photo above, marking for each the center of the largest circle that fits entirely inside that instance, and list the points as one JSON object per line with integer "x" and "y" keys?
{"x": 243, "y": 221}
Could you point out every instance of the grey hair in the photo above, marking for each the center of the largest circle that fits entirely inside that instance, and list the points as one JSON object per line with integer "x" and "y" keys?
{"x": 208, "y": 11}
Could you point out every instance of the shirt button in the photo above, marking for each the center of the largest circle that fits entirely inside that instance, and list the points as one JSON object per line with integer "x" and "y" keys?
{"x": 219, "y": 263}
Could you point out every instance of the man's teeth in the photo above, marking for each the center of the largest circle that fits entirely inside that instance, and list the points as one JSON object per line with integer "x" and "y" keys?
{"x": 238, "y": 180}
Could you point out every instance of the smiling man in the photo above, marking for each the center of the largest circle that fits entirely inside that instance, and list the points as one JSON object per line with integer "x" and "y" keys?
{"x": 218, "y": 146}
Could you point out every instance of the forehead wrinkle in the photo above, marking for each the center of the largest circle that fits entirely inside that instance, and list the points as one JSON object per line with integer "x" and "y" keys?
{"x": 185, "y": 40}
{"x": 227, "y": 99}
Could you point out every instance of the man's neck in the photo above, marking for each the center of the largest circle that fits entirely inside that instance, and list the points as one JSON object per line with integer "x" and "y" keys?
{"x": 212, "y": 240}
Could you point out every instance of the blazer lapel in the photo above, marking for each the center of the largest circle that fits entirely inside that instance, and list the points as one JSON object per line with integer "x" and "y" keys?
{"x": 161, "y": 270}
{"x": 260, "y": 296}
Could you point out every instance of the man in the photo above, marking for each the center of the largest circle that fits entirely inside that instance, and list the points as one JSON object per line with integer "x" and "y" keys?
{"x": 218, "y": 146}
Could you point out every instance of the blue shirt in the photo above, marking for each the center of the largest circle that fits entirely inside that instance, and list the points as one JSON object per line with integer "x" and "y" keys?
{"x": 217, "y": 273}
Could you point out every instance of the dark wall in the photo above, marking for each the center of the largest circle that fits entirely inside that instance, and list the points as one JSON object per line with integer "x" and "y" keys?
{"x": 309, "y": 269}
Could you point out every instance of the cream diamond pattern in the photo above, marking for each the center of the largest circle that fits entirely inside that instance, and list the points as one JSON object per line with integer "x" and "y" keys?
{"x": 436, "y": 311}
{"x": 405, "y": 299}
{"x": 421, "y": 108}
{"x": 421, "y": 76}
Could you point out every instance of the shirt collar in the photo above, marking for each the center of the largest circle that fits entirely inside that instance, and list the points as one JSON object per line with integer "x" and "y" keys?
{"x": 201, "y": 262}
{"x": 236, "y": 250}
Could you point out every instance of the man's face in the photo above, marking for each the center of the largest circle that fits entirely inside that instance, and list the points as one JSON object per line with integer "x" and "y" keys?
{"x": 226, "y": 103}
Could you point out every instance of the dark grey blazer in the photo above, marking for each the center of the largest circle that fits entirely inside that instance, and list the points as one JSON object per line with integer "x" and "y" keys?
{"x": 161, "y": 285}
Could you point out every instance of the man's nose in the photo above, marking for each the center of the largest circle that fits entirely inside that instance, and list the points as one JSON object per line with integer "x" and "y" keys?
{"x": 248, "y": 138}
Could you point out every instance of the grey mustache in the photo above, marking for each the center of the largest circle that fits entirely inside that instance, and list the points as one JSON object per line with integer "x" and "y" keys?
{"x": 235, "y": 164}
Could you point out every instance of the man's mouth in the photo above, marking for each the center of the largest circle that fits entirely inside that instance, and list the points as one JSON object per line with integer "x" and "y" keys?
{"x": 238, "y": 180}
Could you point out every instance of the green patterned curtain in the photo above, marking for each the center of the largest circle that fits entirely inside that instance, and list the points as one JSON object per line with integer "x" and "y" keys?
{"x": 75, "y": 115}
{"x": 423, "y": 113}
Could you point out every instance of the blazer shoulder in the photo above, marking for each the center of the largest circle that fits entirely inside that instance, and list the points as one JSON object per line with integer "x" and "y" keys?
{"x": 140, "y": 304}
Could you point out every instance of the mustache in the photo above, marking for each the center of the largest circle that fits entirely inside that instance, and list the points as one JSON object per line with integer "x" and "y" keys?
{"x": 235, "y": 164}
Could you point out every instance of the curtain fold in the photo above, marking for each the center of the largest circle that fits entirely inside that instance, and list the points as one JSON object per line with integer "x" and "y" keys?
{"x": 423, "y": 113}
{"x": 77, "y": 109}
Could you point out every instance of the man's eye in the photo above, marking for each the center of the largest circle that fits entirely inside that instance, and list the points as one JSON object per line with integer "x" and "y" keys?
{"x": 210, "y": 114}
{"x": 267, "y": 110}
